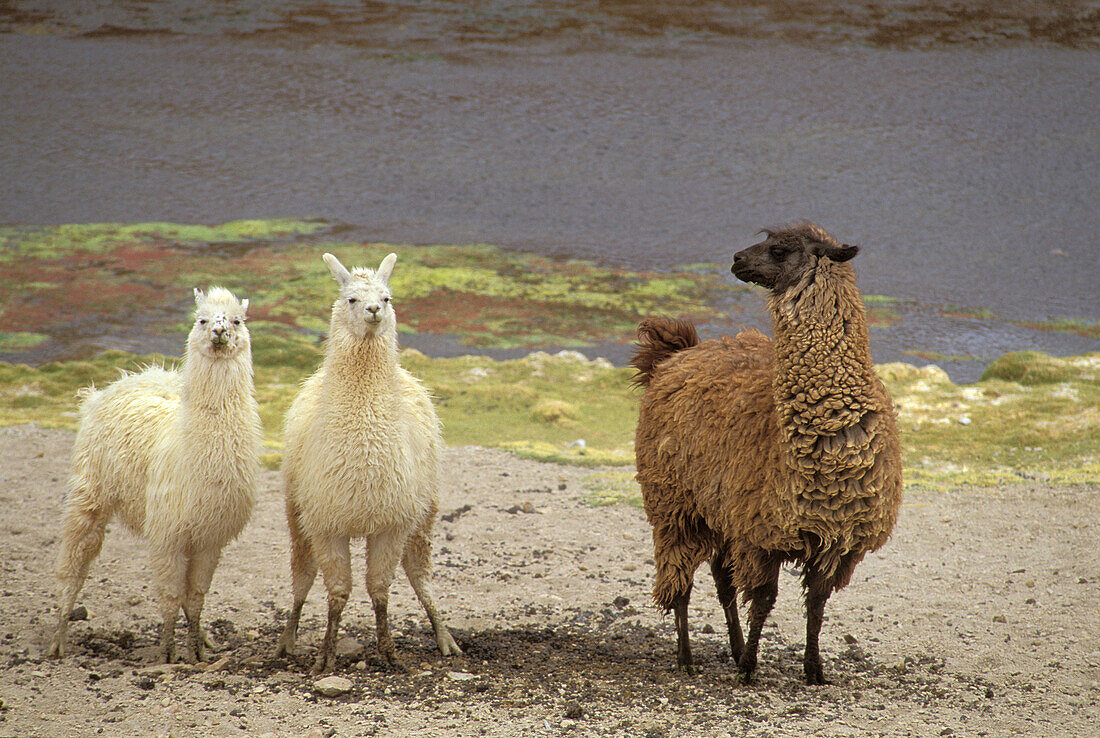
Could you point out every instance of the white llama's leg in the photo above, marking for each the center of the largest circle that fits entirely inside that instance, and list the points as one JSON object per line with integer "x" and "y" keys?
{"x": 417, "y": 564}
{"x": 334, "y": 559}
{"x": 81, "y": 541}
{"x": 170, "y": 565}
{"x": 200, "y": 572}
{"x": 384, "y": 551}
{"x": 303, "y": 570}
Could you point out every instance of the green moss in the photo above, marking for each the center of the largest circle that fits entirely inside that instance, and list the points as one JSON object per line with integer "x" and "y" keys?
{"x": 20, "y": 340}
{"x": 611, "y": 488}
{"x": 486, "y": 296}
{"x": 1028, "y": 368}
{"x": 991, "y": 432}
{"x": 1083, "y": 328}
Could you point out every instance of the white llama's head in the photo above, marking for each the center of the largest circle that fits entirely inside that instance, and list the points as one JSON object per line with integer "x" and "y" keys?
{"x": 219, "y": 331}
{"x": 364, "y": 308}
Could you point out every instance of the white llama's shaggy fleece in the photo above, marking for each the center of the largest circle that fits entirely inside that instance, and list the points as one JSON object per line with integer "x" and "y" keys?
{"x": 173, "y": 455}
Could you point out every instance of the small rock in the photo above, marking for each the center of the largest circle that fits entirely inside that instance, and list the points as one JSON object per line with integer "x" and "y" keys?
{"x": 217, "y": 665}
{"x": 620, "y": 602}
{"x": 573, "y": 711}
{"x": 146, "y": 682}
{"x": 850, "y": 639}
{"x": 964, "y": 420}
{"x": 1000, "y": 619}
{"x": 457, "y": 513}
{"x": 135, "y": 600}
{"x": 989, "y": 693}
{"x": 526, "y": 507}
{"x": 946, "y": 731}
{"x": 579, "y": 443}
{"x": 460, "y": 676}
{"x": 348, "y": 646}
{"x": 156, "y": 670}
{"x": 79, "y": 613}
{"x": 708, "y": 628}
{"x": 237, "y": 712}
{"x": 332, "y": 686}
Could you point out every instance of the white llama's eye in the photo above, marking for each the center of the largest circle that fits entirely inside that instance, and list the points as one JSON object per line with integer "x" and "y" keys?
{"x": 386, "y": 299}
{"x": 351, "y": 301}
{"x": 202, "y": 321}
{"x": 237, "y": 321}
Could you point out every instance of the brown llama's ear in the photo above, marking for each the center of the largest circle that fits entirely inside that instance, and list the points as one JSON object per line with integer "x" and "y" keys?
{"x": 840, "y": 253}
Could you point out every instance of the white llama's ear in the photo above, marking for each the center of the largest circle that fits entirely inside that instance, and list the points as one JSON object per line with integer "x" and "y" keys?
{"x": 339, "y": 272}
{"x": 244, "y": 306}
{"x": 199, "y": 296}
{"x": 385, "y": 269}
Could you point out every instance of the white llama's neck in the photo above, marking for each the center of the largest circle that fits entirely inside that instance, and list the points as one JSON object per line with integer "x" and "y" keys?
{"x": 361, "y": 367}
{"x": 217, "y": 386}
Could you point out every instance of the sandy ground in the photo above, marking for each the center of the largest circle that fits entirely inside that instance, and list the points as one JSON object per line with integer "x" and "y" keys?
{"x": 980, "y": 617}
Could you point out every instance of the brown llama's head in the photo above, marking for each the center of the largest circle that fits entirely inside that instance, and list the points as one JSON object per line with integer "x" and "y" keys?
{"x": 780, "y": 260}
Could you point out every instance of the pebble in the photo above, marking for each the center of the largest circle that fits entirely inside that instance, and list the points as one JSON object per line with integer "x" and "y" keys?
{"x": 217, "y": 665}
{"x": 135, "y": 600}
{"x": 348, "y": 646}
{"x": 573, "y": 711}
{"x": 460, "y": 676}
{"x": 332, "y": 686}
{"x": 999, "y": 619}
{"x": 79, "y": 613}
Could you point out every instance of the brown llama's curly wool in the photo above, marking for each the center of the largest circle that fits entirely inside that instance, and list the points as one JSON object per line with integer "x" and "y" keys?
{"x": 751, "y": 452}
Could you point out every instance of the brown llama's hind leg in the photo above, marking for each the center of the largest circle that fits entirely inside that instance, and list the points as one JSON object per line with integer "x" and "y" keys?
{"x": 81, "y": 541}
{"x": 727, "y": 595}
{"x": 303, "y": 571}
{"x": 677, "y": 554}
{"x": 763, "y": 600}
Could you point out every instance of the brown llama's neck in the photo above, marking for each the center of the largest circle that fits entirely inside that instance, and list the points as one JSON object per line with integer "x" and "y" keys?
{"x": 824, "y": 378}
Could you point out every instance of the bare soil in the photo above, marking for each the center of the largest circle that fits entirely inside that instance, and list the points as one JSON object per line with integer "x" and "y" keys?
{"x": 980, "y": 617}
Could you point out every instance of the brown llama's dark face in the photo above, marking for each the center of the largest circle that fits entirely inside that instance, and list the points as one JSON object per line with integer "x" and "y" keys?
{"x": 780, "y": 260}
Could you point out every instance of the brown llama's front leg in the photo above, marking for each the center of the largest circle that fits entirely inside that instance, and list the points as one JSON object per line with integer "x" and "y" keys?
{"x": 763, "y": 600}
{"x": 684, "y": 660}
{"x": 727, "y": 595}
{"x": 818, "y": 589}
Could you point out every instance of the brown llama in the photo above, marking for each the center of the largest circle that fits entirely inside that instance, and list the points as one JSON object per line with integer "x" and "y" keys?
{"x": 752, "y": 452}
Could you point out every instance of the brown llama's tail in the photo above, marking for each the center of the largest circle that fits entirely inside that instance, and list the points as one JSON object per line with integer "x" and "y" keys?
{"x": 658, "y": 339}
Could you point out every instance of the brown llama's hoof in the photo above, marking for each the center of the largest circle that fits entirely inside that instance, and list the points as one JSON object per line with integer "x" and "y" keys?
{"x": 815, "y": 677}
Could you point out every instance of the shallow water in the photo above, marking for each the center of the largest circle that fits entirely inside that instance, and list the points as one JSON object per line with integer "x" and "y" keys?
{"x": 964, "y": 163}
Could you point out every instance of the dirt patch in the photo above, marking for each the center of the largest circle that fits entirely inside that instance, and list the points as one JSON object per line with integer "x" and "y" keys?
{"x": 979, "y": 618}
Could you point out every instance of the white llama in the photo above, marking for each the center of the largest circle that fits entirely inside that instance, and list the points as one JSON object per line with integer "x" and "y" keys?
{"x": 361, "y": 461}
{"x": 174, "y": 455}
